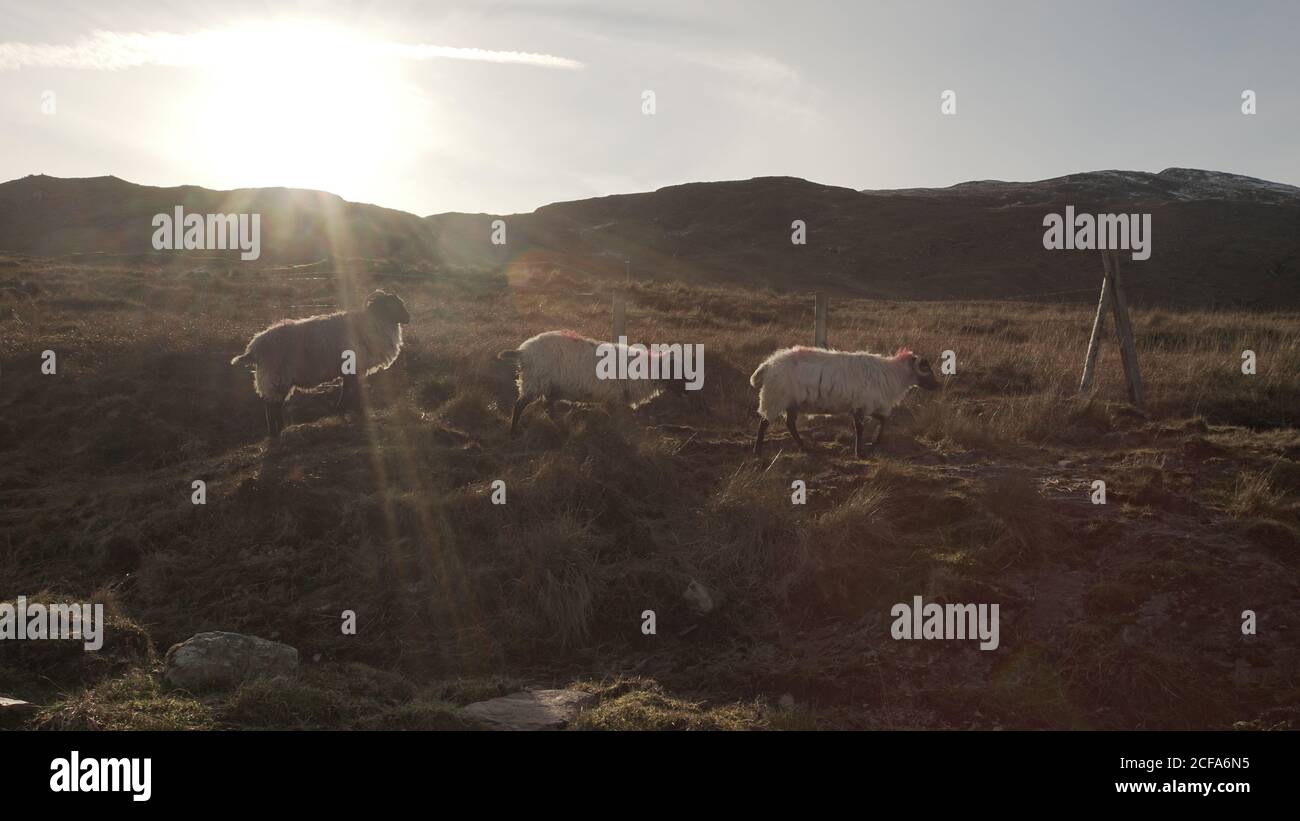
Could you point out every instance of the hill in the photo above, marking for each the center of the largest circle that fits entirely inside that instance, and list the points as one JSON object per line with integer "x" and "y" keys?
{"x": 52, "y": 216}
{"x": 1219, "y": 240}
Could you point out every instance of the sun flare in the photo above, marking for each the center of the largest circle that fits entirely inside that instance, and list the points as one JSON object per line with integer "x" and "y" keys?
{"x": 305, "y": 106}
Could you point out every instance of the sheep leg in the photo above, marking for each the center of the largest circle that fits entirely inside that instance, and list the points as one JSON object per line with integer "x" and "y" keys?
{"x": 548, "y": 401}
{"x": 758, "y": 443}
{"x": 791, "y": 420}
{"x": 274, "y": 418}
{"x": 857, "y": 435}
{"x": 880, "y": 431}
{"x": 339, "y": 404}
{"x": 349, "y": 394}
{"x": 520, "y": 404}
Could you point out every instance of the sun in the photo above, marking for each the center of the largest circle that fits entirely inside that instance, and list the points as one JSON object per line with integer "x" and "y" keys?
{"x": 298, "y": 105}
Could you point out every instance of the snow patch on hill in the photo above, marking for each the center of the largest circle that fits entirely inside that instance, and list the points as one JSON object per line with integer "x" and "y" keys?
{"x": 1175, "y": 184}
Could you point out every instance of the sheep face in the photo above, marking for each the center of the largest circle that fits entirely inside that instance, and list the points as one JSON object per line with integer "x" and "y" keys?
{"x": 922, "y": 373}
{"x": 668, "y": 383}
{"x": 677, "y": 386}
{"x": 389, "y": 307}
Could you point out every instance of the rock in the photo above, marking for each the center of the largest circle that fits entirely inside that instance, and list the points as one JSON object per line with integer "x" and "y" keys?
{"x": 14, "y": 712}
{"x": 697, "y": 596}
{"x": 529, "y": 710}
{"x": 217, "y": 659}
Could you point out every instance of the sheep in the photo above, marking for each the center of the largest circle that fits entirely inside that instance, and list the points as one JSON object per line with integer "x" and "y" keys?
{"x": 562, "y": 365}
{"x": 303, "y": 353}
{"x": 823, "y": 381}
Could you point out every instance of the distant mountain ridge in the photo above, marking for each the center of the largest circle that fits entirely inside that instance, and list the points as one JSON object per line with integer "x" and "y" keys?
{"x": 1180, "y": 184}
{"x": 1218, "y": 238}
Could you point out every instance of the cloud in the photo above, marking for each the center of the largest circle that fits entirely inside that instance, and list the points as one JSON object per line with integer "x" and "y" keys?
{"x": 115, "y": 51}
{"x": 747, "y": 66}
{"x": 426, "y": 52}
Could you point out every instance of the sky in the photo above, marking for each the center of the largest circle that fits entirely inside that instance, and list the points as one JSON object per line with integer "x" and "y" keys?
{"x": 503, "y": 107}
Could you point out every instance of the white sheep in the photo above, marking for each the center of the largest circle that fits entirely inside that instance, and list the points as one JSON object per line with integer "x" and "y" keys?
{"x": 304, "y": 353}
{"x": 563, "y": 365}
{"x": 821, "y": 381}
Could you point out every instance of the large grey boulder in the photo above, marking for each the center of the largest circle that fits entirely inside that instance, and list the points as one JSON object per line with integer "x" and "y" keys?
{"x": 219, "y": 660}
{"x": 529, "y": 710}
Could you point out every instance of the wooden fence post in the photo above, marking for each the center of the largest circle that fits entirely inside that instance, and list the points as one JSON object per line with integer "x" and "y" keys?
{"x": 1113, "y": 301}
{"x": 620, "y": 317}
{"x": 819, "y": 321}
{"x": 1124, "y": 330}
{"x": 1098, "y": 331}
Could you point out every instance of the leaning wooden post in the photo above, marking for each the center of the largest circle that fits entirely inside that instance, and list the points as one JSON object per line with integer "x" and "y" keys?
{"x": 819, "y": 321}
{"x": 1098, "y": 331}
{"x": 1124, "y": 330}
{"x": 620, "y": 317}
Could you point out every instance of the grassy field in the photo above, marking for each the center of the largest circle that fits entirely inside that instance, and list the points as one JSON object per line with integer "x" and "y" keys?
{"x": 1124, "y": 615}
